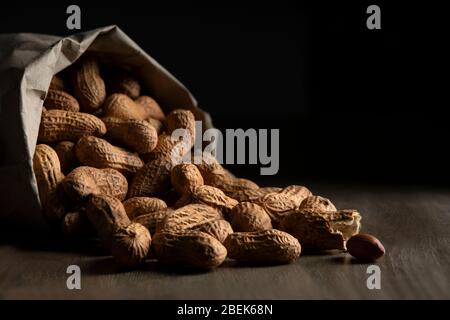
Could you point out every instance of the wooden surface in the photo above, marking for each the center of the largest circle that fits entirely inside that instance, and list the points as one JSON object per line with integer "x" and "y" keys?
{"x": 413, "y": 224}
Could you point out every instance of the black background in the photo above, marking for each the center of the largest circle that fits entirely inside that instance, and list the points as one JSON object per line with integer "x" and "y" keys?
{"x": 351, "y": 104}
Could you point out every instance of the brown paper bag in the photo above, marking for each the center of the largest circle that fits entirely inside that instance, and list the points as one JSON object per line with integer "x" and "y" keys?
{"x": 27, "y": 64}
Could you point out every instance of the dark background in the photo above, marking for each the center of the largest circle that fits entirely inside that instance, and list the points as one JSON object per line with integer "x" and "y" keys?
{"x": 351, "y": 104}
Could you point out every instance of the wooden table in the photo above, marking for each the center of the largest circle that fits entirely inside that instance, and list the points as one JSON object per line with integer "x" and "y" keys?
{"x": 412, "y": 222}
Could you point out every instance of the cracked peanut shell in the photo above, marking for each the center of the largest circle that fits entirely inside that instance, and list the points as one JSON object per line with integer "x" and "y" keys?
{"x": 322, "y": 231}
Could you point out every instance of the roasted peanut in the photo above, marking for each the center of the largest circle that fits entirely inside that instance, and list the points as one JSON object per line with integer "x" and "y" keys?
{"x": 66, "y": 154}
{"x": 181, "y": 119}
{"x": 57, "y": 99}
{"x": 219, "y": 229}
{"x": 138, "y": 135}
{"x": 57, "y": 83}
{"x": 98, "y": 153}
{"x": 138, "y": 206}
{"x": 60, "y": 125}
{"x": 122, "y": 82}
{"x": 213, "y": 197}
{"x": 189, "y": 217}
{"x": 130, "y": 245}
{"x": 152, "y": 219}
{"x": 84, "y": 181}
{"x": 192, "y": 249}
{"x": 247, "y": 216}
{"x": 121, "y": 106}
{"x": 152, "y": 108}
{"x": 76, "y": 225}
{"x": 48, "y": 175}
{"x": 88, "y": 85}
{"x": 106, "y": 214}
{"x": 269, "y": 246}
{"x": 185, "y": 177}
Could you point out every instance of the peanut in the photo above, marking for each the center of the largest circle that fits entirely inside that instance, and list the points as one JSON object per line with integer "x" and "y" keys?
{"x": 84, "y": 181}
{"x": 193, "y": 249}
{"x": 98, "y": 153}
{"x": 365, "y": 247}
{"x": 130, "y": 245}
{"x": 106, "y": 214}
{"x": 88, "y": 85}
{"x": 48, "y": 175}
{"x": 76, "y": 225}
{"x": 138, "y": 135}
{"x": 124, "y": 83}
{"x": 253, "y": 195}
{"x": 66, "y": 154}
{"x": 219, "y": 229}
{"x": 322, "y": 231}
{"x": 153, "y": 109}
{"x": 215, "y": 175}
{"x": 152, "y": 179}
{"x": 185, "y": 177}
{"x": 158, "y": 125}
{"x": 213, "y": 197}
{"x": 152, "y": 219}
{"x": 247, "y": 216}
{"x": 57, "y": 99}
{"x": 278, "y": 204}
{"x": 57, "y": 83}
{"x": 168, "y": 147}
{"x": 317, "y": 204}
{"x": 60, "y": 125}
{"x": 170, "y": 197}
{"x": 138, "y": 206}
{"x": 269, "y": 246}
{"x": 181, "y": 119}
{"x": 121, "y": 106}
{"x": 189, "y": 217}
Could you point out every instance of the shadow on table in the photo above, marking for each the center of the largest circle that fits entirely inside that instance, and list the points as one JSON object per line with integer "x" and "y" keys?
{"x": 51, "y": 242}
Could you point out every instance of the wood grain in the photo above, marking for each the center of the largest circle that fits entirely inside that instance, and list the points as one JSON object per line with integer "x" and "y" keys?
{"x": 412, "y": 223}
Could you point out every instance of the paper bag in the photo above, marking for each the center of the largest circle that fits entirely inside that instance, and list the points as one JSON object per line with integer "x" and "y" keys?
{"x": 27, "y": 64}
